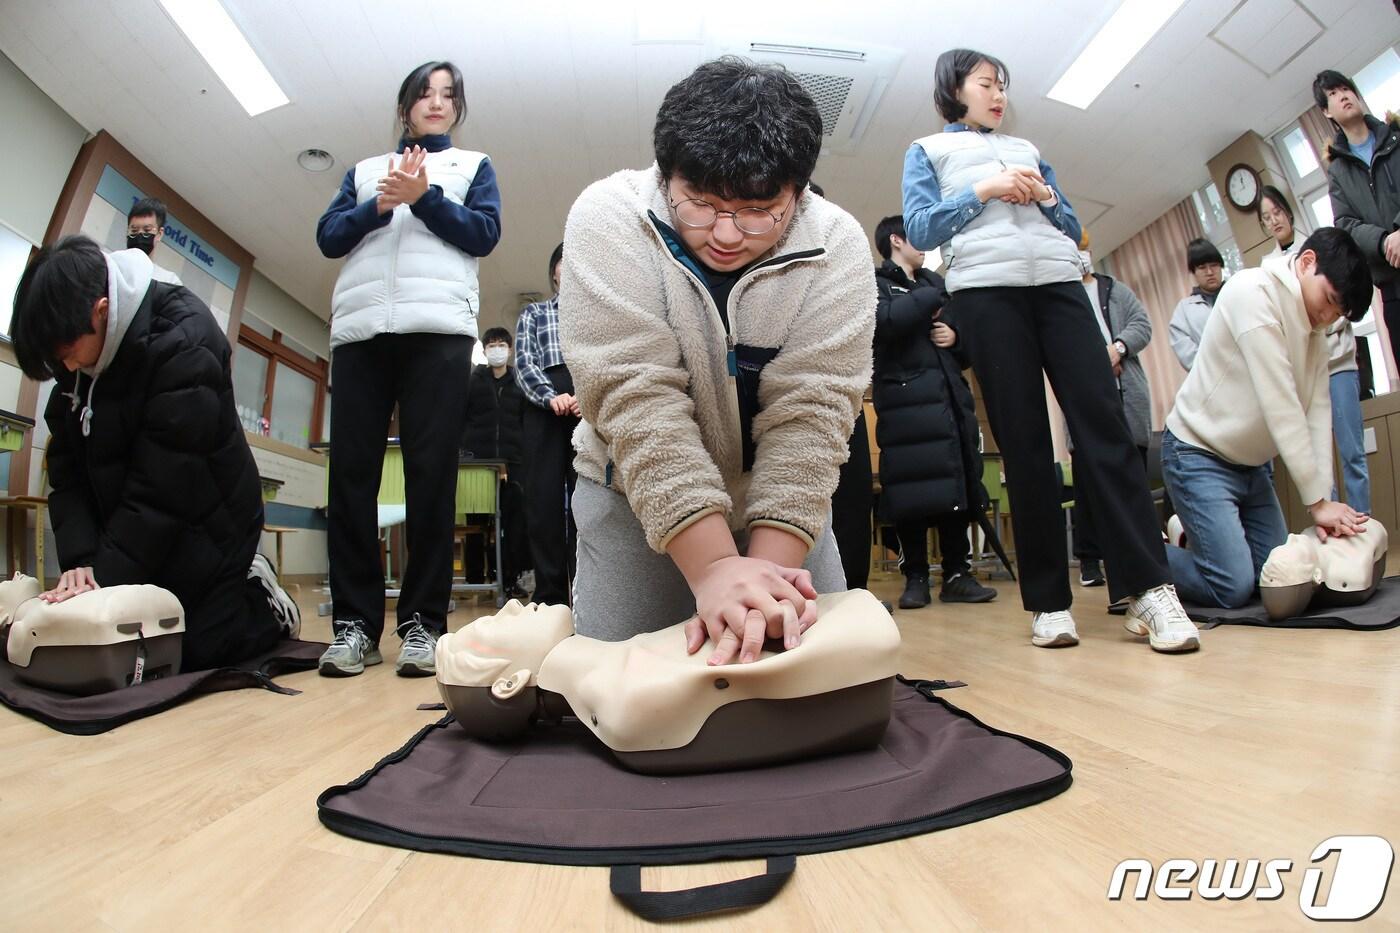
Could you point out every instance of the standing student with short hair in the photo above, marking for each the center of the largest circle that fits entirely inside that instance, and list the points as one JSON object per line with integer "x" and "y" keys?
{"x": 493, "y": 431}
{"x": 1363, "y": 181}
{"x": 145, "y": 228}
{"x": 1014, "y": 275}
{"x": 550, "y": 416}
{"x": 412, "y": 225}
{"x": 1188, "y": 321}
{"x": 926, "y": 423}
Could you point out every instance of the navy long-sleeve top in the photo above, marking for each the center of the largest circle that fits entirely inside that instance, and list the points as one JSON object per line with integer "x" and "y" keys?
{"x": 473, "y": 226}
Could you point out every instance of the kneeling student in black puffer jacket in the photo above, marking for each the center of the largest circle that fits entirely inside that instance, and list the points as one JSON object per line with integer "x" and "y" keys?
{"x": 152, "y": 479}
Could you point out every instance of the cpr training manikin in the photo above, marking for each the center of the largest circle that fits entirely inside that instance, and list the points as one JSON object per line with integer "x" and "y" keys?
{"x": 95, "y": 642}
{"x": 1307, "y": 573}
{"x": 661, "y": 710}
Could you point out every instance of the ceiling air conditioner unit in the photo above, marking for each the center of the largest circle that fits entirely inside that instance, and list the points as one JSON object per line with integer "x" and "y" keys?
{"x": 846, "y": 80}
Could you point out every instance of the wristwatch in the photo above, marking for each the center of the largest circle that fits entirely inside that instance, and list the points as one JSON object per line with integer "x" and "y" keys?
{"x": 1121, "y": 347}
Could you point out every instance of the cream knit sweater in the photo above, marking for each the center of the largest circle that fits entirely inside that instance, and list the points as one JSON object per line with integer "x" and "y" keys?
{"x": 648, "y": 354}
{"x": 1259, "y": 388}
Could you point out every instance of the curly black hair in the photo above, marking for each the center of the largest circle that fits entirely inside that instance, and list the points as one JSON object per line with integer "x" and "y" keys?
{"x": 738, "y": 130}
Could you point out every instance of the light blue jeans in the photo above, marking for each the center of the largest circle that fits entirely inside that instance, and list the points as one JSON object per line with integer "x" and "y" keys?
{"x": 1232, "y": 520}
{"x": 1346, "y": 426}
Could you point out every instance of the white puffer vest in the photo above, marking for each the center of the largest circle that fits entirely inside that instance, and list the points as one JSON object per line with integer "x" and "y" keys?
{"x": 403, "y": 278}
{"x": 1007, "y": 244}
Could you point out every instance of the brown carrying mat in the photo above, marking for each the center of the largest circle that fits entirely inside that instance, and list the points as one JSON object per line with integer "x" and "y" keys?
{"x": 561, "y": 798}
{"x": 102, "y": 712}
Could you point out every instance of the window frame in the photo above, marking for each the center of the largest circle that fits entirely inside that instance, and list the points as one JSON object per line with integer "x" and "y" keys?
{"x": 274, "y": 351}
{"x": 1220, "y": 233}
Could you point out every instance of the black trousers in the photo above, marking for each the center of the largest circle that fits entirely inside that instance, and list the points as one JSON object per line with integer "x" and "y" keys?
{"x": 425, "y": 375}
{"x": 233, "y": 623}
{"x": 1086, "y": 539}
{"x": 850, "y": 508}
{"x": 480, "y": 561}
{"x": 1014, "y": 335}
{"x": 952, "y": 544}
{"x": 549, "y": 484}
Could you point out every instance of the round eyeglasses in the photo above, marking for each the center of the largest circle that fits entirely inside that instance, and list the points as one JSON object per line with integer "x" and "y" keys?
{"x": 754, "y": 221}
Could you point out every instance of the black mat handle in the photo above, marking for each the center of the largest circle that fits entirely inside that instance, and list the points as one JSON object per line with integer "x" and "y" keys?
{"x": 753, "y": 891}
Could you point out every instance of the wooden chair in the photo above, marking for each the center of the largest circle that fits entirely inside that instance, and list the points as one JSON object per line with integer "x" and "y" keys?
{"x": 277, "y": 531}
{"x": 12, "y": 429}
{"x": 16, "y": 510}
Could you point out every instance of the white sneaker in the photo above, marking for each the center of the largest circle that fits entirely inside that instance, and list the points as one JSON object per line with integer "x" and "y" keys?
{"x": 1053, "y": 629}
{"x": 283, "y": 606}
{"x": 1157, "y": 613}
{"x": 1176, "y": 532}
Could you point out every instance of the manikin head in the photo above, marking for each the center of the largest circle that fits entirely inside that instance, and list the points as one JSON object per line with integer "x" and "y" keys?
{"x": 509, "y": 645}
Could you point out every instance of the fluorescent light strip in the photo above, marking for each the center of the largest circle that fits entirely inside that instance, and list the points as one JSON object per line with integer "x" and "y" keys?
{"x": 213, "y": 34}
{"x": 1131, "y": 26}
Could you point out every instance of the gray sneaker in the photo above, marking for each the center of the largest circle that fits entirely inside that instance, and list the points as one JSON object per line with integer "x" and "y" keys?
{"x": 350, "y": 652}
{"x": 418, "y": 656}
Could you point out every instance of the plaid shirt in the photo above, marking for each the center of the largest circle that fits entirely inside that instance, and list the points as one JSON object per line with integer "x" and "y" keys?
{"x": 536, "y": 349}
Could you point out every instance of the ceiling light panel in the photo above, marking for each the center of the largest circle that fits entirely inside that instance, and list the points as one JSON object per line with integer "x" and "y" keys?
{"x": 1130, "y": 28}
{"x": 224, "y": 47}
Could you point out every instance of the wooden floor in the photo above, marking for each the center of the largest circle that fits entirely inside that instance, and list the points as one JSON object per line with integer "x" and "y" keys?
{"x": 1260, "y": 746}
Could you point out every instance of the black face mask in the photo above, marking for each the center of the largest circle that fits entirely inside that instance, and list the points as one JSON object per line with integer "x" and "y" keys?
{"x": 145, "y": 242}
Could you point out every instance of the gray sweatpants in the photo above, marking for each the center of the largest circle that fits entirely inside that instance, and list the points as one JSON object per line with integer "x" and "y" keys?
{"x": 623, "y": 587}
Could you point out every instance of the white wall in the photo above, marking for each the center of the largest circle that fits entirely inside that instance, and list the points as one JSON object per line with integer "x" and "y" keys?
{"x": 37, "y": 148}
{"x": 269, "y": 303}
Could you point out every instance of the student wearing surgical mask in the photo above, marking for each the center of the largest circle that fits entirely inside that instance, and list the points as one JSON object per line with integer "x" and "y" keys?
{"x": 145, "y": 227}
{"x": 493, "y": 431}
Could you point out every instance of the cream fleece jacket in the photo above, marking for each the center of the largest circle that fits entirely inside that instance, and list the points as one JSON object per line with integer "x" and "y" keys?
{"x": 649, "y": 358}
{"x": 1259, "y": 388}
